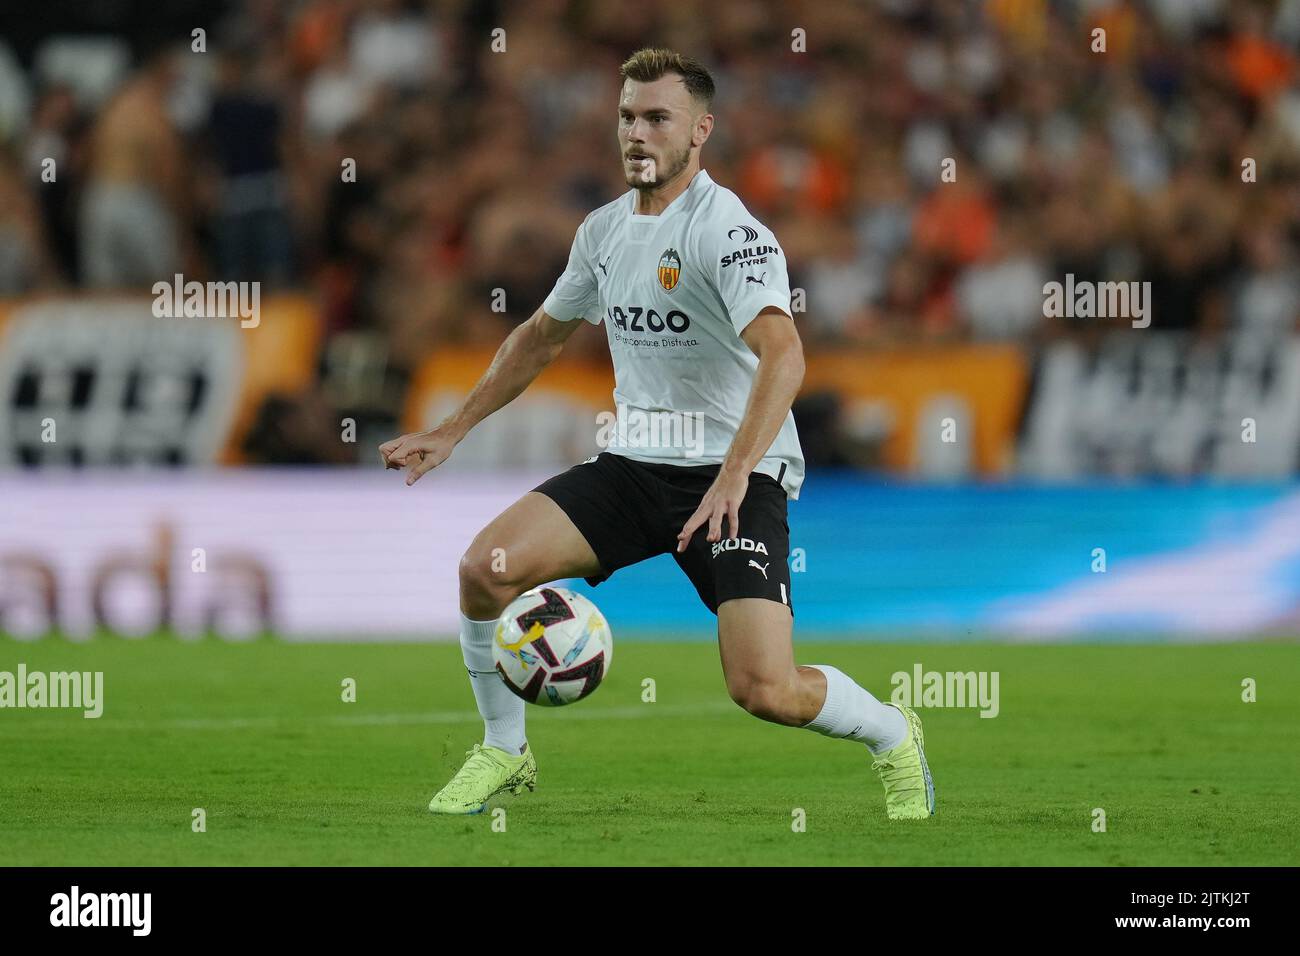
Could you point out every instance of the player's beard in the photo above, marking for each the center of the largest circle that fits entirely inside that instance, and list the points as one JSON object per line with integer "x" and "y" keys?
{"x": 677, "y": 162}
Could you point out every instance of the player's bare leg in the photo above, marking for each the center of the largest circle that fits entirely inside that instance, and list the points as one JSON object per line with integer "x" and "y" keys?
{"x": 755, "y": 642}
{"x": 530, "y": 543}
{"x": 754, "y": 639}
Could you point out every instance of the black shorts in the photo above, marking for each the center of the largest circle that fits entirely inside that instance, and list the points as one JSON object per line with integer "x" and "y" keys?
{"x": 630, "y": 510}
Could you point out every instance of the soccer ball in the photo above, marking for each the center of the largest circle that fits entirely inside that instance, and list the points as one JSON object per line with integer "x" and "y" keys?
{"x": 552, "y": 646}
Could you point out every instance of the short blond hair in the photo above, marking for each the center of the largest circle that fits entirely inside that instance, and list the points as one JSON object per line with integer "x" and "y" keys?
{"x": 653, "y": 63}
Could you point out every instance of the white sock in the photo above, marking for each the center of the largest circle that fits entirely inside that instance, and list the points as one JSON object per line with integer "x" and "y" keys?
{"x": 850, "y": 711}
{"x": 502, "y": 711}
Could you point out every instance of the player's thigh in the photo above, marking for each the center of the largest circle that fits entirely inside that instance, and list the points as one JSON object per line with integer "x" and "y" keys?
{"x": 755, "y": 641}
{"x": 531, "y": 542}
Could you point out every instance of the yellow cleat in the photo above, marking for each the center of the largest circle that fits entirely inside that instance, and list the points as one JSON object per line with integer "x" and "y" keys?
{"x": 487, "y": 772}
{"x": 909, "y": 789}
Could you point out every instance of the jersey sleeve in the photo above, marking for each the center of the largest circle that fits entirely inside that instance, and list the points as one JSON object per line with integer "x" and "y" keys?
{"x": 575, "y": 294}
{"x": 747, "y": 268}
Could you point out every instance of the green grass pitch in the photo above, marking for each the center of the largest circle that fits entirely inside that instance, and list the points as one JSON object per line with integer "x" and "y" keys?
{"x": 258, "y": 736}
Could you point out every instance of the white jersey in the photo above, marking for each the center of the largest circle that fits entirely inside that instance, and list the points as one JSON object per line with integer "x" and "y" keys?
{"x": 675, "y": 291}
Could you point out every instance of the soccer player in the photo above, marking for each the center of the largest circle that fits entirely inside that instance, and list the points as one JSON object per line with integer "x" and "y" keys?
{"x": 695, "y": 299}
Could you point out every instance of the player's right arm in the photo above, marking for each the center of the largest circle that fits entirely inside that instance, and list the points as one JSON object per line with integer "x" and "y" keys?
{"x": 522, "y": 356}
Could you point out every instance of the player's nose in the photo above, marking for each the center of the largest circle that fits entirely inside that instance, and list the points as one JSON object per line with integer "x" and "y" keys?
{"x": 636, "y": 132}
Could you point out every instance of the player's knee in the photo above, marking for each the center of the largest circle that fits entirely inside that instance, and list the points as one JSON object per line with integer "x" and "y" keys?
{"x": 765, "y": 699}
{"x": 487, "y": 575}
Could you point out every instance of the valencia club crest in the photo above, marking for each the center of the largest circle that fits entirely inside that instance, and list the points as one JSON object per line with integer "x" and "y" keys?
{"x": 670, "y": 269}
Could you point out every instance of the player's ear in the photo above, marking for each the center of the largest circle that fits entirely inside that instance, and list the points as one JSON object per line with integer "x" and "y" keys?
{"x": 703, "y": 127}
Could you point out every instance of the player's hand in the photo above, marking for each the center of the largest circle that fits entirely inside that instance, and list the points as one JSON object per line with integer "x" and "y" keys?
{"x": 722, "y": 500}
{"x": 418, "y": 452}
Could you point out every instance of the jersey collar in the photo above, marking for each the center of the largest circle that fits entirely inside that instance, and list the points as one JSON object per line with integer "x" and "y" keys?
{"x": 699, "y": 181}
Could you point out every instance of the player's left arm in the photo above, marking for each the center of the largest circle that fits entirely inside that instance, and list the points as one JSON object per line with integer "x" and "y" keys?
{"x": 773, "y": 338}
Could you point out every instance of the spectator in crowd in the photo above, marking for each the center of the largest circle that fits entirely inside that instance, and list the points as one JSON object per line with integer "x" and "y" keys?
{"x": 24, "y": 265}
{"x": 53, "y": 156}
{"x": 134, "y": 212}
{"x": 1266, "y": 296}
{"x": 251, "y": 223}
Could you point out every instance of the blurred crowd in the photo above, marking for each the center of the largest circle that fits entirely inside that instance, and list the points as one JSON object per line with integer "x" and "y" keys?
{"x": 1173, "y": 156}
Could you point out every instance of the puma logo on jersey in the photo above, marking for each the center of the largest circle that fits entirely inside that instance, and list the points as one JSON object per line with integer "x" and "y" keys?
{"x": 739, "y": 544}
{"x": 762, "y": 281}
{"x": 605, "y": 263}
{"x": 761, "y": 567}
